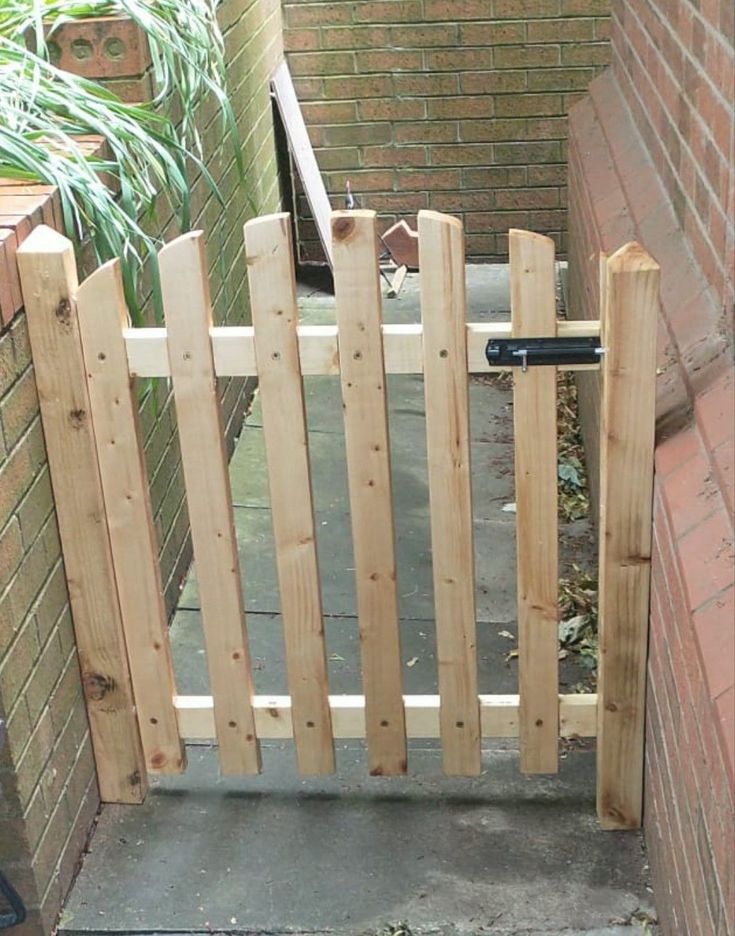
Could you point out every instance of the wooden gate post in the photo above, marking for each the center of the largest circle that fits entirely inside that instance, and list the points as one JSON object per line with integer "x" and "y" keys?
{"x": 49, "y": 282}
{"x": 629, "y": 298}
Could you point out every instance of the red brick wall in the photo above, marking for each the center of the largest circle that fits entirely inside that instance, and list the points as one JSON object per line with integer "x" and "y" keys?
{"x": 674, "y": 62}
{"x": 651, "y": 159}
{"x": 456, "y": 106}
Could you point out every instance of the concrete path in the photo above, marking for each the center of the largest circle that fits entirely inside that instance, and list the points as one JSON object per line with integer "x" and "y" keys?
{"x": 353, "y": 855}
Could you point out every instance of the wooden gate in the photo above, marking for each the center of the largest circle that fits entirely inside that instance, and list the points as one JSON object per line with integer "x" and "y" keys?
{"x": 86, "y": 361}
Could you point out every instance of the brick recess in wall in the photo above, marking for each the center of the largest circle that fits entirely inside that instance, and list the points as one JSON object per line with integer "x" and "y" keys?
{"x": 456, "y": 106}
{"x": 652, "y": 158}
{"x": 48, "y": 794}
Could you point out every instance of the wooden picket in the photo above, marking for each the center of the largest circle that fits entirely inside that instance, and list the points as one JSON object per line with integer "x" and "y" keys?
{"x": 117, "y": 596}
{"x": 362, "y": 371}
{"x": 188, "y": 311}
{"x": 275, "y": 314}
{"x": 444, "y": 313}
{"x": 113, "y": 404}
{"x": 533, "y": 315}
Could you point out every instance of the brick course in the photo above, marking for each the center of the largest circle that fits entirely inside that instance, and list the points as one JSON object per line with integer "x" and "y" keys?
{"x": 49, "y": 795}
{"x": 419, "y": 93}
{"x": 651, "y": 158}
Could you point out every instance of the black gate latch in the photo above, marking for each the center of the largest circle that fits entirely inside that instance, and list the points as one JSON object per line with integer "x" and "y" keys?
{"x": 527, "y": 352}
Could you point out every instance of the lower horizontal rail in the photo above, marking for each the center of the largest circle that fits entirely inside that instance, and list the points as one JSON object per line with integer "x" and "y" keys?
{"x": 234, "y": 348}
{"x": 498, "y": 716}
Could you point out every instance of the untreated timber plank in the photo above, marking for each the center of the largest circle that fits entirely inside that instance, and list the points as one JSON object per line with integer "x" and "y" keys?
{"x": 498, "y": 716}
{"x": 443, "y": 313}
{"x": 365, "y": 409}
{"x": 275, "y": 316}
{"x": 533, "y": 314}
{"x": 114, "y": 407}
{"x": 630, "y": 296}
{"x": 303, "y": 154}
{"x": 234, "y": 349}
{"x": 188, "y": 312}
{"x": 49, "y": 281}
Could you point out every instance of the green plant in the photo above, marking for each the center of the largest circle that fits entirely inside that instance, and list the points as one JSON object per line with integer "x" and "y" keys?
{"x": 185, "y": 42}
{"x": 109, "y": 195}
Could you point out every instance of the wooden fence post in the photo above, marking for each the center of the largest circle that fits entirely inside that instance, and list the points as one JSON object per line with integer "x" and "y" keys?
{"x": 629, "y": 295}
{"x": 49, "y": 282}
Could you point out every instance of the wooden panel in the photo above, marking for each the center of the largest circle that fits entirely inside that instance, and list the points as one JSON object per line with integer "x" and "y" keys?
{"x": 303, "y": 154}
{"x": 630, "y": 315}
{"x": 533, "y": 314}
{"x": 114, "y": 408}
{"x": 443, "y": 311}
{"x": 275, "y": 315}
{"x": 188, "y": 313}
{"x": 359, "y": 314}
{"x": 234, "y": 349}
{"x": 498, "y": 716}
{"x": 49, "y": 281}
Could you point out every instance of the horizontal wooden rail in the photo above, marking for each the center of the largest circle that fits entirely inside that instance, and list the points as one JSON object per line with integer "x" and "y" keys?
{"x": 234, "y": 348}
{"x": 498, "y": 716}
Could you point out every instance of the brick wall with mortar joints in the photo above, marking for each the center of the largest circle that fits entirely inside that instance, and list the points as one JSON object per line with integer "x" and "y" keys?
{"x": 49, "y": 795}
{"x": 677, "y": 66}
{"x": 459, "y": 107}
{"x": 620, "y": 189}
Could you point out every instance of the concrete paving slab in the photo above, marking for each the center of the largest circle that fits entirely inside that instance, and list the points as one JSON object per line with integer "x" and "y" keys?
{"x": 497, "y": 672}
{"x": 492, "y": 463}
{"x": 349, "y": 855}
{"x": 495, "y": 565}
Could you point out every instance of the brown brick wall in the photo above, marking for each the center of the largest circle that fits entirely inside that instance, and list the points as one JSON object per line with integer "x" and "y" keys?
{"x": 630, "y": 175}
{"x": 48, "y": 794}
{"x": 456, "y": 106}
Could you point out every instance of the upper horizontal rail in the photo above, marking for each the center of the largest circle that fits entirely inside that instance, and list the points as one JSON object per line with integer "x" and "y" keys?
{"x": 234, "y": 348}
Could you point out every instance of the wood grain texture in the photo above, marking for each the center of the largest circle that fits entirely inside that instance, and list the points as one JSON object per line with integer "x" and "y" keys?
{"x": 234, "y": 348}
{"x": 275, "y": 316}
{"x": 498, "y": 716}
{"x": 443, "y": 313}
{"x": 303, "y": 154}
{"x": 364, "y": 402}
{"x": 533, "y": 314}
{"x": 188, "y": 314}
{"x": 114, "y": 408}
{"x": 49, "y": 281}
{"x": 630, "y": 314}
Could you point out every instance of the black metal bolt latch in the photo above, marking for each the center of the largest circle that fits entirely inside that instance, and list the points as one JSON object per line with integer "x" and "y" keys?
{"x": 528, "y": 352}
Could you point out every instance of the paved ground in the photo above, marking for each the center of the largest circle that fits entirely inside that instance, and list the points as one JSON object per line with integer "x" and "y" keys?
{"x": 351, "y": 855}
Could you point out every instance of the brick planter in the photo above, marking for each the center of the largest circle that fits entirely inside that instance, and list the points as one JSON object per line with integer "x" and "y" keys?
{"x": 110, "y": 49}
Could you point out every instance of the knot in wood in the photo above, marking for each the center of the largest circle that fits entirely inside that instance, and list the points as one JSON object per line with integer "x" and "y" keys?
{"x": 77, "y": 418}
{"x": 97, "y": 686}
{"x": 63, "y": 312}
{"x": 342, "y": 228}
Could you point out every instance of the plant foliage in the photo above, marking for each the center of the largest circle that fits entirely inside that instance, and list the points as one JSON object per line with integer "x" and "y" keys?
{"x": 46, "y": 114}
